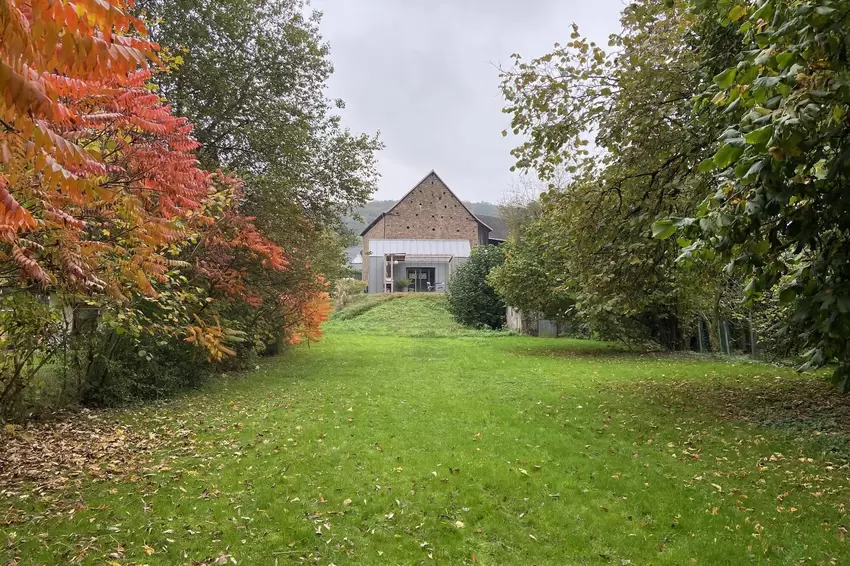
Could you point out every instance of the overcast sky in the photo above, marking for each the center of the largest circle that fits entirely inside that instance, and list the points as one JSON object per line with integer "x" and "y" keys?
{"x": 423, "y": 72}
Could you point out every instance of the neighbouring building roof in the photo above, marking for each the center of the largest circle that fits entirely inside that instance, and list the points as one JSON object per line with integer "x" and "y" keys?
{"x": 432, "y": 172}
{"x": 498, "y": 227}
{"x": 420, "y": 248}
{"x": 353, "y": 255}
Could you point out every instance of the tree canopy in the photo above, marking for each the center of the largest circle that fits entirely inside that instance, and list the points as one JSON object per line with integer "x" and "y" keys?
{"x": 251, "y": 76}
{"x": 779, "y": 210}
{"x": 759, "y": 216}
{"x": 620, "y": 124}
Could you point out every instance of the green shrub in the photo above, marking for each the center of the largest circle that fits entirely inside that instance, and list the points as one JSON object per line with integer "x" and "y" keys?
{"x": 471, "y": 299}
{"x": 403, "y": 284}
{"x": 120, "y": 371}
{"x": 30, "y": 333}
{"x": 524, "y": 283}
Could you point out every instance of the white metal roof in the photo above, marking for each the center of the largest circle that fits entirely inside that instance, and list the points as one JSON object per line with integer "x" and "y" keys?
{"x": 456, "y": 248}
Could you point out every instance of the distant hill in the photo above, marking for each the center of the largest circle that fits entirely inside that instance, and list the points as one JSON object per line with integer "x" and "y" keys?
{"x": 483, "y": 208}
{"x": 372, "y": 209}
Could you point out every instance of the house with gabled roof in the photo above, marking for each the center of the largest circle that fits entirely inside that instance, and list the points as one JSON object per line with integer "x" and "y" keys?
{"x": 422, "y": 239}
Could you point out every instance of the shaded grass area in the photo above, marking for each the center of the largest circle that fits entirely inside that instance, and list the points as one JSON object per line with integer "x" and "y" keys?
{"x": 806, "y": 408}
{"x": 382, "y": 449}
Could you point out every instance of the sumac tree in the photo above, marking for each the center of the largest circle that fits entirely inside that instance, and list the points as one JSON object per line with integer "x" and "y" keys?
{"x": 103, "y": 204}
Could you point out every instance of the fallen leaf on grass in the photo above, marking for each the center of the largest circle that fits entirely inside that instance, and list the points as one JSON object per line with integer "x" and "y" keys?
{"x": 57, "y": 455}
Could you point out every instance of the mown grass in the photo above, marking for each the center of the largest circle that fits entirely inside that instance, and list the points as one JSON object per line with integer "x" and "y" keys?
{"x": 360, "y": 303}
{"x": 383, "y": 448}
{"x": 417, "y": 315}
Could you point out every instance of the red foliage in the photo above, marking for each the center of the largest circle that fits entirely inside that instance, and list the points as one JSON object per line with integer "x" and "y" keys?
{"x": 88, "y": 155}
{"x": 232, "y": 246}
{"x": 311, "y": 313}
{"x": 99, "y": 184}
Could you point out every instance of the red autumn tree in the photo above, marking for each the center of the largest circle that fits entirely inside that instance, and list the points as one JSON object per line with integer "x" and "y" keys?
{"x": 100, "y": 189}
{"x": 265, "y": 292}
{"x": 95, "y": 172}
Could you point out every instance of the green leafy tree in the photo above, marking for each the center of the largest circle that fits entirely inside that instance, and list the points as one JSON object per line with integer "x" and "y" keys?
{"x": 778, "y": 207}
{"x": 251, "y": 77}
{"x": 526, "y": 282}
{"x": 622, "y": 125}
{"x": 471, "y": 298}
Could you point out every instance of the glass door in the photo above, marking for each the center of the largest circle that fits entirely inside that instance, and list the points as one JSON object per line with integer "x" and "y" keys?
{"x": 421, "y": 278}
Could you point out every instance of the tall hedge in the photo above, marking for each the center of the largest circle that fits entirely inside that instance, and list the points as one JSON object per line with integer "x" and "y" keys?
{"x": 472, "y": 301}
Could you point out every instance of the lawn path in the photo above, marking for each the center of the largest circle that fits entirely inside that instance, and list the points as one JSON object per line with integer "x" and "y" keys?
{"x": 381, "y": 449}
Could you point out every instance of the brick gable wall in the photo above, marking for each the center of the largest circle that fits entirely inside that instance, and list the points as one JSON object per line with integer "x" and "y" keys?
{"x": 429, "y": 212}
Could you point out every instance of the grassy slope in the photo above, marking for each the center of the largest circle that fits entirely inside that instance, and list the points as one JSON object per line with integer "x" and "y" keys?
{"x": 417, "y": 315}
{"x": 511, "y": 450}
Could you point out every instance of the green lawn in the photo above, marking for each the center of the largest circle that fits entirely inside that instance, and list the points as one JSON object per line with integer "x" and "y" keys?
{"x": 396, "y": 442}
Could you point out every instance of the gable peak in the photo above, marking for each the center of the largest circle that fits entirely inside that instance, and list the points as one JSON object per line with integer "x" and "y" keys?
{"x": 433, "y": 175}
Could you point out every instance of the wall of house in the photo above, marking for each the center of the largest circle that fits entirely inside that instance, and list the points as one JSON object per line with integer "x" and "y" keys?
{"x": 376, "y": 273}
{"x": 429, "y": 212}
{"x": 483, "y": 235}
